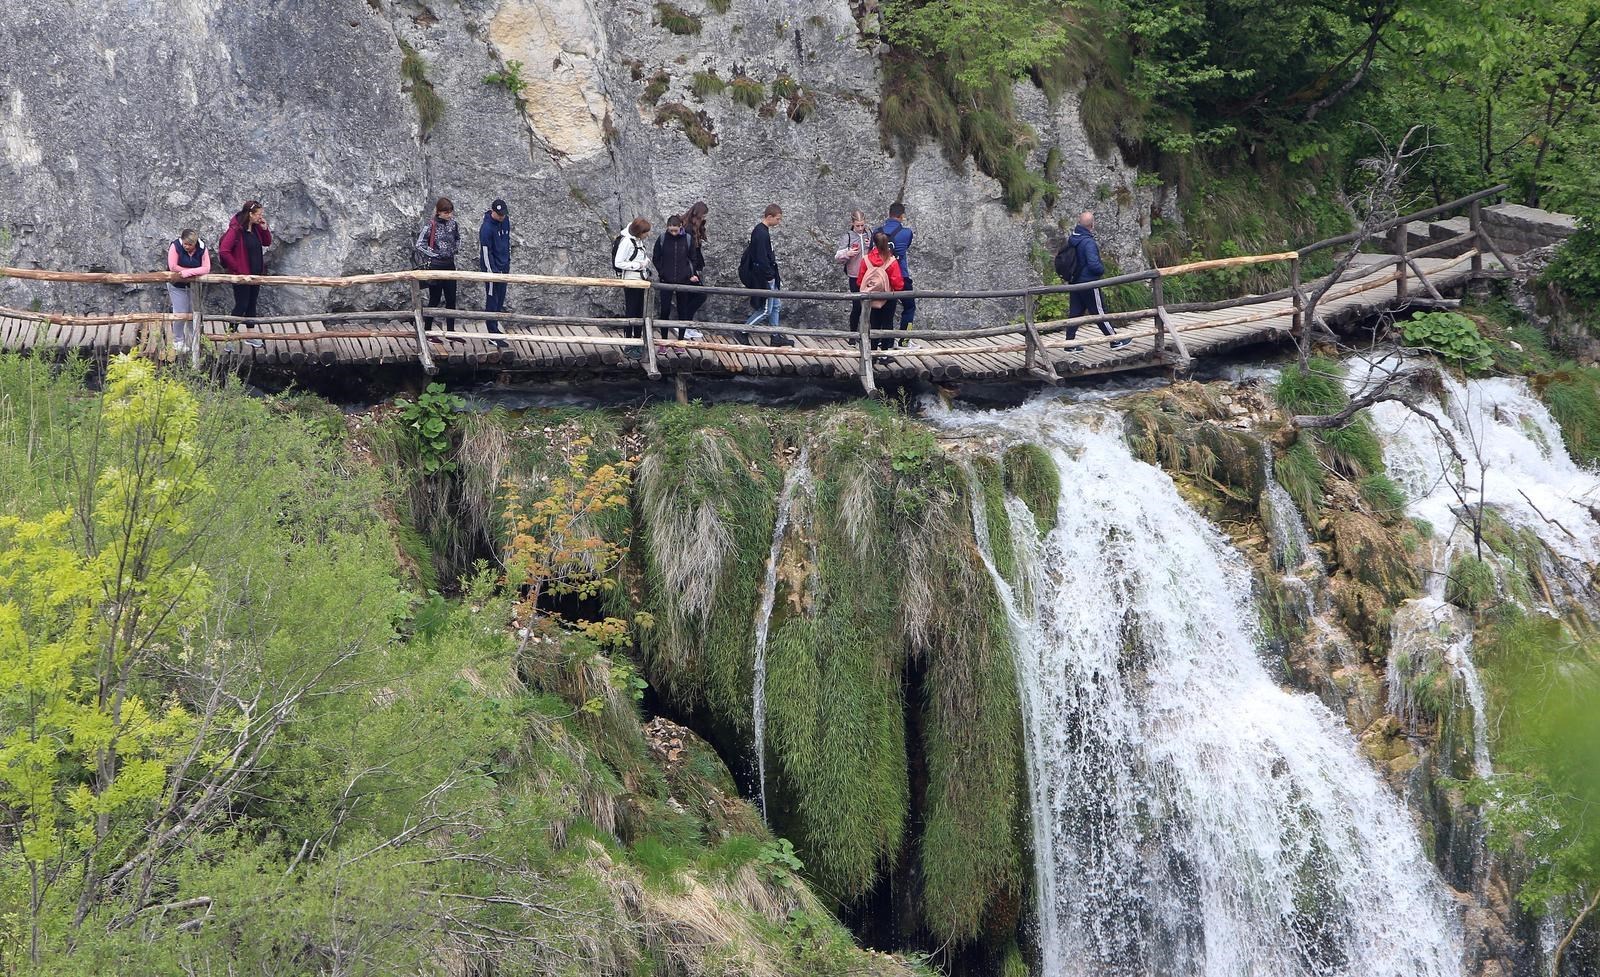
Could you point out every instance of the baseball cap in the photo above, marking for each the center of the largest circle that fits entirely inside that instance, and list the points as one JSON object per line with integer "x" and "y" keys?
{"x": 499, "y": 207}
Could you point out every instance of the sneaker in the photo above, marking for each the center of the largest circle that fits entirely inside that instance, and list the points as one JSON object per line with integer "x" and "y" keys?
{"x": 179, "y": 346}
{"x": 693, "y": 334}
{"x": 632, "y": 353}
{"x": 784, "y": 341}
{"x": 743, "y": 338}
{"x": 499, "y": 343}
{"x": 1122, "y": 344}
{"x": 458, "y": 340}
{"x": 255, "y": 344}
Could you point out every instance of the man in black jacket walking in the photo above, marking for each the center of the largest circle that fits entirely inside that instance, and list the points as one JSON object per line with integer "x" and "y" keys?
{"x": 759, "y": 268}
{"x": 677, "y": 262}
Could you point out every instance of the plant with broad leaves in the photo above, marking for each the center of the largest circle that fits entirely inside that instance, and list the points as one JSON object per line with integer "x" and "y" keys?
{"x": 1450, "y": 335}
{"x": 427, "y": 421}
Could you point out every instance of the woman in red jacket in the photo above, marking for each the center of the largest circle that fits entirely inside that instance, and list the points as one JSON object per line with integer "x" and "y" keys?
{"x": 241, "y": 250}
{"x": 880, "y": 272}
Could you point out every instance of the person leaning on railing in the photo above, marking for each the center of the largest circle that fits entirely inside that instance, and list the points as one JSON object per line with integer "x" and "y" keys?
{"x": 631, "y": 260}
{"x": 243, "y": 248}
{"x": 188, "y": 257}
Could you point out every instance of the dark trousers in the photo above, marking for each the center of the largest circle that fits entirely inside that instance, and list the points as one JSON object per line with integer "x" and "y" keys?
{"x": 244, "y": 299}
{"x": 1086, "y": 303}
{"x": 882, "y": 323}
{"x": 679, "y": 306}
{"x": 494, "y": 300}
{"x": 908, "y": 307}
{"x": 442, "y": 293}
{"x": 855, "y": 307}
{"x": 632, "y": 308}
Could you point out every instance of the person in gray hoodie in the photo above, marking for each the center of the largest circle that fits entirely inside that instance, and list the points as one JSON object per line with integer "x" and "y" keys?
{"x": 853, "y": 245}
{"x": 437, "y": 244}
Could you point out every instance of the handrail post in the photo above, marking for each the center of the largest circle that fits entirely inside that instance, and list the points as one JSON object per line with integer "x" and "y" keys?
{"x": 1398, "y": 244}
{"x": 1035, "y": 345}
{"x": 422, "y": 331}
{"x": 650, "y": 368}
{"x": 864, "y": 343}
{"x": 197, "y": 306}
{"x": 1297, "y": 318}
{"x": 1158, "y": 306}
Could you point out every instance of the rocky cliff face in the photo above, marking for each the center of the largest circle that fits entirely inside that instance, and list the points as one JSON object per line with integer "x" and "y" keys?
{"x": 120, "y": 125}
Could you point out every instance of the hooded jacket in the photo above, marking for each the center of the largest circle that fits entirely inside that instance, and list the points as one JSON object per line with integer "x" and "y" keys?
{"x": 631, "y": 258}
{"x": 897, "y": 281}
{"x": 1090, "y": 267}
{"x": 899, "y": 236}
{"x": 676, "y": 258}
{"x": 494, "y": 245}
{"x": 231, "y": 249}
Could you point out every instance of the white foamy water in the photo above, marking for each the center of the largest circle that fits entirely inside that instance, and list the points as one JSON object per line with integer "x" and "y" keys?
{"x": 1190, "y": 817}
{"x": 798, "y": 476}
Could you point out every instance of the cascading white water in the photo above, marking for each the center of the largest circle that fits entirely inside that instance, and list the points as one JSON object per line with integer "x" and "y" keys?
{"x": 1190, "y": 816}
{"x": 798, "y": 476}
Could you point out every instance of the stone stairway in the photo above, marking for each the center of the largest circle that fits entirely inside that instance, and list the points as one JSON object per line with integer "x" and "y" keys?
{"x": 1515, "y": 229}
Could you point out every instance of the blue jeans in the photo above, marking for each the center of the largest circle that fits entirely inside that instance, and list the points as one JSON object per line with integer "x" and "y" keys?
{"x": 494, "y": 300}
{"x": 769, "y": 311}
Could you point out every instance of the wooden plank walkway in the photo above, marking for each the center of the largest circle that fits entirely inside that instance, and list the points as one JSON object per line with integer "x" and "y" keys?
{"x": 925, "y": 354}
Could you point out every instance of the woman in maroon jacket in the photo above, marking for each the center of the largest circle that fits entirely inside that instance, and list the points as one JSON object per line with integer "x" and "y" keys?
{"x": 241, "y": 250}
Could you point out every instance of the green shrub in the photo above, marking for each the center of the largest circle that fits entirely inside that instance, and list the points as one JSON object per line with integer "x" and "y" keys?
{"x": 427, "y": 422}
{"x": 747, "y": 91}
{"x": 676, "y": 19}
{"x": 510, "y": 78}
{"x": 784, "y": 86}
{"x": 707, "y": 83}
{"x": 1573, "y": 396}
{"x": 430, "y": 107}
{"x": 1452, "y": 336}
{"x": 1383, "y": 495}
{"x": 1315, "y": 391}
{"x": 1031, "y": 476}
{"x": 1472, "y": 584}
{"x": 1576, "y": 268}
{"x": 1353, "y": 450}
{"x": 696, "y": 125}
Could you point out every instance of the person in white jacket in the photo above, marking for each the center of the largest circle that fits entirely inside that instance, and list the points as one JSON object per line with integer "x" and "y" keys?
{"x": 631, "y": 260}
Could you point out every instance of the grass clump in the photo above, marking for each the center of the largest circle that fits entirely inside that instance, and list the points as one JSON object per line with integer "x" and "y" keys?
{"x": 706, "y": 84}
{"x": 1300, "y": 472}
{"x": 1318, "y": 390}
{"x": 747, "y": 91}
{"x": 1383, "y": 496}
{"x": 1471, "y": 585}
{"x": 719, "y": 6}
{"x": 1573, "y": 396}
{"x": 1031, "y": 476}
{"x": 656, "y": 87}
{"x": 696, "y": 125}
{"x": 430, "y": 107}
{"x": 677, "y": 20}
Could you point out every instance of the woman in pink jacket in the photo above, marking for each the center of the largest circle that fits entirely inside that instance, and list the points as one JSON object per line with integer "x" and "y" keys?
{"x": 189, "y": 258}
{"x": 242, "y": 248}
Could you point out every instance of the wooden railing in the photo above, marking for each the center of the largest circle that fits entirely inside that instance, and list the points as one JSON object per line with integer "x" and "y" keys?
{"x": 1030, "y": 334}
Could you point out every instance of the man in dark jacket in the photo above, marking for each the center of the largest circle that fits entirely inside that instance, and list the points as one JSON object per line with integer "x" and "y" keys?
{"x": 494, "y": 255}
{"x": 678, "y": 262}
{"x": 1088, "y": 268}
{"x": 762, "y": 266}
{"x": 900, "y": 235}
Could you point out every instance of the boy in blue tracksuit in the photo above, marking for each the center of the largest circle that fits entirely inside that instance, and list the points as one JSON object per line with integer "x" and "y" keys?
{"x": 494, "y": 255}
{"x": 1089, "y": 268}
{"x": 900, "y": 237}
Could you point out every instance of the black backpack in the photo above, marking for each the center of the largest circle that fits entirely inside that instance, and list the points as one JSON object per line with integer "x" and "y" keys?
{"x": 747, "y": 271}
{"x": 614, "y": 243}
{"x": 1067, "y": 262}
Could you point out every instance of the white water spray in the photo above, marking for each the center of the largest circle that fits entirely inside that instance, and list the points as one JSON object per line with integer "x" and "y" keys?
{"x": 1190, "y": 816}
{"x": 798, "y": 476}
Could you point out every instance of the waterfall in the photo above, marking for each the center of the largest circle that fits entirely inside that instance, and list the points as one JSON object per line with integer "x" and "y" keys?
{"x": 799, "y": 475}
{"x": 1190, "y": 817}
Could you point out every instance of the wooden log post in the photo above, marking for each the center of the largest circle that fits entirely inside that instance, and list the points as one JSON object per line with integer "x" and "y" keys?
{"x": 1398, "y": 244}
{"x": 1475, "y": 219}
{"x": 1034, "y": 359}
{"x": 1297, "y": 318}
{"x": 423, "y": 355}
{"x": 650, "y": 369}
{"x": 869, "y": 385}
{"x": 197, "y": 313}
{"x": 1158, "y": 302}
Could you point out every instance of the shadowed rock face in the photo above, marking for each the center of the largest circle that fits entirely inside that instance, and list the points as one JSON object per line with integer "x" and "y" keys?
{"x": 122, "y": 123}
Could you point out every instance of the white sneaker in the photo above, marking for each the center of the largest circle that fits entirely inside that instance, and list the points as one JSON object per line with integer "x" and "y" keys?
{"x": 179, "y": 346}
{"x": 693, "y": 334}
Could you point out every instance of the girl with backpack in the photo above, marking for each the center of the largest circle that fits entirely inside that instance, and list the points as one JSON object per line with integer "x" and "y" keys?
{"x": 880, "y": 272}
{"x": 436, "y": 247}
{"x": 630, "y": 259}
{"x": 241, "y": 250}
{"x": 853, "y": 247}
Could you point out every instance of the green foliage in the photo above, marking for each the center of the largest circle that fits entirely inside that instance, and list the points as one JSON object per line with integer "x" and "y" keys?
{"x": 696, "y": 125}
{"x": 779, "y": 863}
{"x": 987, "y": 40}
{"x": 1573, "y": 396}
{"x": 1471, "y": 584}
{"x": 1300, "y": 472}
{"x": 1031, "y": 476}
{"x": 1450, "y": 335}
{"x": 430, "y": 107}
{"x": 707, "y": 83}
{"x": 747, "y": 91}
{"x": 1383, "y": 496}
{"x": 719, "y": 6}
{"x": 510, "y": 78}
{"x": 677, "y": 20}
{"x": 1576, "y": 267}
{"x": 656, "y": 87}
{"x": 1313, "y": 391}
{"x": 427, "y": 422}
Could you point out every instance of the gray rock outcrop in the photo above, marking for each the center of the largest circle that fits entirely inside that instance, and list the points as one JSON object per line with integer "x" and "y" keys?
{"x": 119, "y": 125}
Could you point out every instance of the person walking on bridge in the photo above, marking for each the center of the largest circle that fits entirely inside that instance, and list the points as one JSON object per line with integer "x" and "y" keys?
{"x": 900, "y": 235}
{"x": 678, "y": 262}
{"x": 1077, "y": 262}
{"x": 630, "y": 260}
{"x": 494, "y": 257}
{"x": 759, "y": 269}
{"x": 188, "y": 258}
{"x": 437, "y": 244}
{"x": 694, "y": 226}
{"x": 242, "y": 248}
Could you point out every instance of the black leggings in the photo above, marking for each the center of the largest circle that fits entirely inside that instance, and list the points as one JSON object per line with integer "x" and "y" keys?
{"x": 244, "y": 299}
{"x": 441, "y": 293}
{"x": 882, "y": 321}
{"x": 633, "y": 308}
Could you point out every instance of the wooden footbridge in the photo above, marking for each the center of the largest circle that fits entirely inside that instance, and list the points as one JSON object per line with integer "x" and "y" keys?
{"x": 1025, "y": 347}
